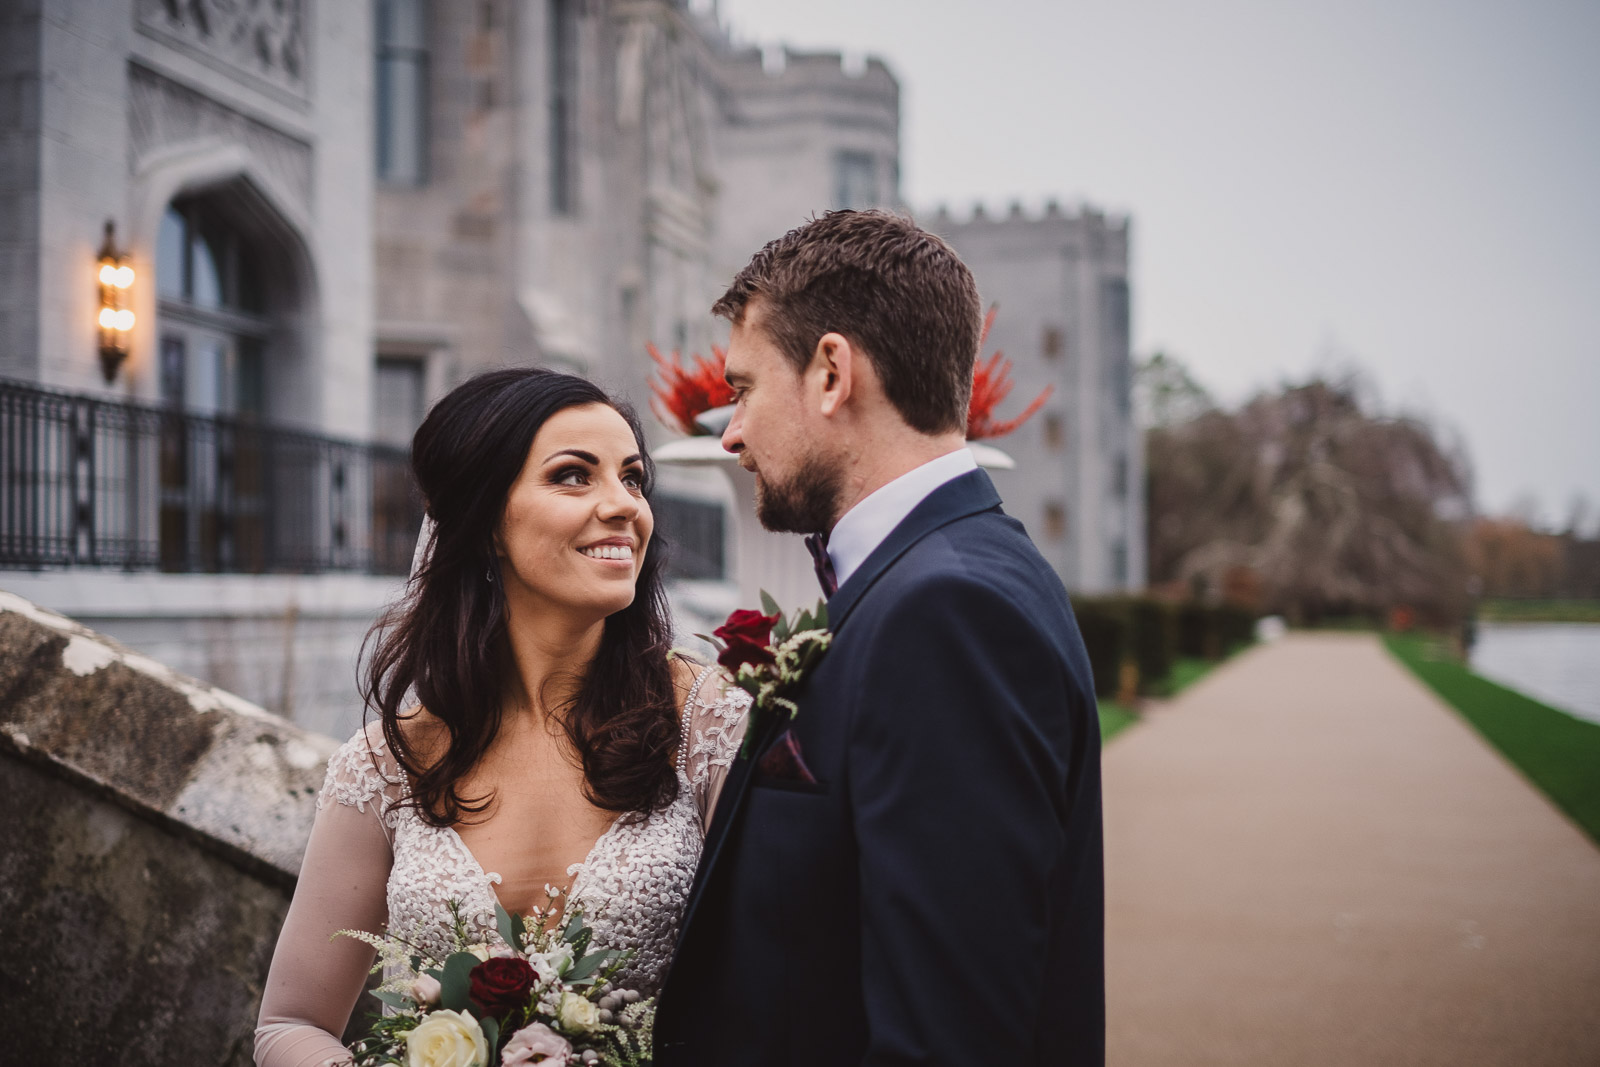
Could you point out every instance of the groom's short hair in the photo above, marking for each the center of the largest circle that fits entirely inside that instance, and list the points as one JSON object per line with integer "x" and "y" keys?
{"x": 898, "y": 292}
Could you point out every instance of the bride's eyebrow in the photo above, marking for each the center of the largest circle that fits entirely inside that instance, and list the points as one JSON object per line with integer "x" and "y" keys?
{"x": 592, "y": 459}
{"x": 587, "y": 457}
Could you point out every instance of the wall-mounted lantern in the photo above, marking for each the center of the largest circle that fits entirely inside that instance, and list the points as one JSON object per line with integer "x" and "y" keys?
{"x": 115, "y": 320}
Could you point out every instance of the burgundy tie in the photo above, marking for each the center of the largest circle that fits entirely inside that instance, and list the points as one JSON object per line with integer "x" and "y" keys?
{"x": 817, "y": 545}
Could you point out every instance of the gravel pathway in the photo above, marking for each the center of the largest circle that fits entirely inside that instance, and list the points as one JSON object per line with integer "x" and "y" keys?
{"x": 1311, "y": 860}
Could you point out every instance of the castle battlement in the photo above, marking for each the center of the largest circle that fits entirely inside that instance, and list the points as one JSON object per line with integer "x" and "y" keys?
{"x": 796, "y": 68}
{"x": 1017, "y": 215}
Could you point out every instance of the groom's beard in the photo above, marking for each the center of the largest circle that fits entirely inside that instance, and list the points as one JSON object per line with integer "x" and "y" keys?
{"x": 804, "y": 504}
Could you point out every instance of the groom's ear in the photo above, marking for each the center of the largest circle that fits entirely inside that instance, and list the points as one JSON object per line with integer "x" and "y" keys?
{"x": 836, "y": 364}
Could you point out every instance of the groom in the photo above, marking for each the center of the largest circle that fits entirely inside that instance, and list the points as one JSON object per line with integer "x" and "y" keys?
{"x": 909, "y": 871}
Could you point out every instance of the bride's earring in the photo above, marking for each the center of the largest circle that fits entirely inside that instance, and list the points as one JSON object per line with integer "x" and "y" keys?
{"x": 488, "y": 574}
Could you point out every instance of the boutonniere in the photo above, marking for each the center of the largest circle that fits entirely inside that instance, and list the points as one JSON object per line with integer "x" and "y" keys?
{"x": 769, "y": 656}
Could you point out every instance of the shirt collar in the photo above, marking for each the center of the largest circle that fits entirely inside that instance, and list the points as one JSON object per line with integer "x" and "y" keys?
{"x": 864, "y": 527}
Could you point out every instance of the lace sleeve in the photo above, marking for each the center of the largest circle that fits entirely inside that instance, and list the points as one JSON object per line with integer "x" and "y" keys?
{"x": 363, "y": 775}
{"x": 316, "y": 978}
{"x": 713, "y": 727}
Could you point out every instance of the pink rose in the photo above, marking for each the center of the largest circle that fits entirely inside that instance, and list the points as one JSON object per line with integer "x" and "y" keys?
{"x": 426, "y": 990}
{"x": 536, "y": 1043}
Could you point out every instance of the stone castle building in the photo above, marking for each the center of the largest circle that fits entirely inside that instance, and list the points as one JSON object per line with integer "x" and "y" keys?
{"x": 333, "y": 212}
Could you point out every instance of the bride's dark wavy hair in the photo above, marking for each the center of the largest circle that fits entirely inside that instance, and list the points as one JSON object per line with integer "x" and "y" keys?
{"x": 446, "y": 641}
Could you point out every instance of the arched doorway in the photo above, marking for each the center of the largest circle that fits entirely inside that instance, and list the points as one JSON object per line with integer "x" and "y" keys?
{"x": 228, "y": 364}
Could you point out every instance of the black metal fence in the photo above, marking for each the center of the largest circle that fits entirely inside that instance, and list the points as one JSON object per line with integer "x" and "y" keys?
{"x": 91, "y": 482}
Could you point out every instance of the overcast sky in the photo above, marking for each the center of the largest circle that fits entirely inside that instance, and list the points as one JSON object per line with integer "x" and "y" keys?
{"x": 1411, "y": 187}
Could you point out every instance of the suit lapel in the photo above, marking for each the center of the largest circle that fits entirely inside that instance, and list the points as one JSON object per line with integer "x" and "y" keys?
{"x": 968, "y": 494}
{"x": 956, "y": 499}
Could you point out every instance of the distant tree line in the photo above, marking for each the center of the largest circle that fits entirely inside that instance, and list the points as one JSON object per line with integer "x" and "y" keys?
{"x": 1515, "y": 561}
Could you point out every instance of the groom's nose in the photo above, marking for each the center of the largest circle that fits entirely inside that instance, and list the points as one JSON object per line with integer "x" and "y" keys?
{"x": 733, "y": 435}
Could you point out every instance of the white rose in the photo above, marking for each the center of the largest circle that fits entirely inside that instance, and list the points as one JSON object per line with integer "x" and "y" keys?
{"x": 577, "y": 1013}
{"x": 479, "y": 950}
{"x": 447, "y": 1039}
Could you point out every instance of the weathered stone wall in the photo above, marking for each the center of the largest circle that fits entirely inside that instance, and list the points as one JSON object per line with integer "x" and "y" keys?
{"x": 154, "y": 829}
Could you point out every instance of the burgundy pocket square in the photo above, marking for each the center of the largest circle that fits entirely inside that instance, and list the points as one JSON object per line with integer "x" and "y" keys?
{"x": 783, "y": 762}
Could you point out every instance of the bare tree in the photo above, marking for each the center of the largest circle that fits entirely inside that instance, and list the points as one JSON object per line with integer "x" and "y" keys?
{"x": 1329, "y": 508}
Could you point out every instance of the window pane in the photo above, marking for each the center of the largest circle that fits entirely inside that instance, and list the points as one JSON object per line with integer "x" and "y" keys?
{"x": 402, "y": 24}
{"x": 855, "y": 182}
{"x": 169, "y": 256}
{"x": 694, "y": 531}
{"x": 206, "y": 276}
{"x": 397, "y": 400}
{"x": 563, "y": 70}
{"x": 402, "y": 104}
{"x": 250, "y": 296}
{"x": 250, "y": 393}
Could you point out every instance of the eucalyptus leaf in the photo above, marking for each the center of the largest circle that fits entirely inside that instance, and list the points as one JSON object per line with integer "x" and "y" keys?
{"x": 769, "y": 605}
{"x": 456, "y": 984}
{"x": 502, "y": 922}
{"x": 780, "y": 631}
{"x": 491, "y": 1035}
{"x": 399, "y": 1001}
{"x": 574, "y": 924}
{"x": 822, "y": 614}
{"x": 589, "y": 964}
{"x": 714, "y": 642}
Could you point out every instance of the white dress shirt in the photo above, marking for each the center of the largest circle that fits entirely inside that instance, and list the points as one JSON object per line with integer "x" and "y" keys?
{"x": 865, "y": 526}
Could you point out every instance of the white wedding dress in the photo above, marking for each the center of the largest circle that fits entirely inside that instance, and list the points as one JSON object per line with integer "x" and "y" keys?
{"x": 372, "y": 863}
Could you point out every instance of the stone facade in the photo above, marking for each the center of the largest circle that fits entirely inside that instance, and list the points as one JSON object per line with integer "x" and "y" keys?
{"x": 1059, "y": 282}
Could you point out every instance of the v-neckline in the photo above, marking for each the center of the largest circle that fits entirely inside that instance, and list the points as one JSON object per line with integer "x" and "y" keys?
{"x": 491, "y": 878}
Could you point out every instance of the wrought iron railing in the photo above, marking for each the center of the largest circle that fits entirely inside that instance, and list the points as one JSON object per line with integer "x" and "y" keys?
{"x": 92, "y": 482}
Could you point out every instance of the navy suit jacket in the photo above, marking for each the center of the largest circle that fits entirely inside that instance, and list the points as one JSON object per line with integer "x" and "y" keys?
{"x": 937, "y": 897}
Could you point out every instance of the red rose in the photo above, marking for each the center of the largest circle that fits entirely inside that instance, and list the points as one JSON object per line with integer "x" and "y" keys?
{"x": 501, "y": 986}
{"x": 746, "y": 635}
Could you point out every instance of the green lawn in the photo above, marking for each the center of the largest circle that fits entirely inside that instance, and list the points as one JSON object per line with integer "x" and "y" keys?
{"x": 1539, "y": 611}
{"x": 1559, "y": 753}
{"x": 1186, "y": 670}
{"x": 1113, "y": 719}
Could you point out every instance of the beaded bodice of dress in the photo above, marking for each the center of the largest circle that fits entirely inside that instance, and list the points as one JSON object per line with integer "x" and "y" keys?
{"x": 632, "y": 886}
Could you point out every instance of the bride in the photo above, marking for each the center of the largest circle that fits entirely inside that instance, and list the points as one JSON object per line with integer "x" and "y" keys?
{"x": 531, "y": 728}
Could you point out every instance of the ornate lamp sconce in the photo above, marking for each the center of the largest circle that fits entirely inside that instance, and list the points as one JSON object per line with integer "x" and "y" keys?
{"x": 115, "y": 320}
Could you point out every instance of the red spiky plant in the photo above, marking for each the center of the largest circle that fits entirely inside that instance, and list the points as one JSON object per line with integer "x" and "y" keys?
{"x": 991, "y": 384}
{"x": 682, "y": 394}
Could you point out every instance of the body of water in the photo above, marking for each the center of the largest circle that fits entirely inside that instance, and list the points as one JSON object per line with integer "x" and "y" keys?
{"x": 1557, "y": 663}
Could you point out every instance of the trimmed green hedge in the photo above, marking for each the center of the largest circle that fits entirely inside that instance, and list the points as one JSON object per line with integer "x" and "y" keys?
{"x": 1153, "y": 635}
{"x": 1105, "y": 636}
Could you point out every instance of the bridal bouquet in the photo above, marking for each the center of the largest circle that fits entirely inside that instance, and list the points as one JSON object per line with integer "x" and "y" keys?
{"x": 547, "y": 998}
{"x": 769, "y": 656}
